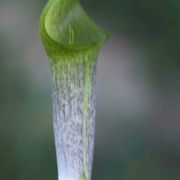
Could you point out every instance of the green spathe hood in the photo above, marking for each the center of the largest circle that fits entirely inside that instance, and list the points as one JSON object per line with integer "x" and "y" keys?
{"x": 65, "y": 27}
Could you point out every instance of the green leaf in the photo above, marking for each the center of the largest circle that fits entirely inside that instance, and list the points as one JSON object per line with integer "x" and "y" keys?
{"x": 65, "y": 27}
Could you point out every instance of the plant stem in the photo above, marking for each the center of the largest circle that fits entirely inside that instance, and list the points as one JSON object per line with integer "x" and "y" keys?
{"x": 74, "y": 117}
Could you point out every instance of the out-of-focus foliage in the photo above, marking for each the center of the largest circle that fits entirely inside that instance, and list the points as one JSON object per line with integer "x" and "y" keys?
{"x": 154, "y": 25}
{"x": 138, "y": 89}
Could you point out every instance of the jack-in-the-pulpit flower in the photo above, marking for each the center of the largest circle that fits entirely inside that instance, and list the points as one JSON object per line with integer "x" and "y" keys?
{"x": 72, "y": 42}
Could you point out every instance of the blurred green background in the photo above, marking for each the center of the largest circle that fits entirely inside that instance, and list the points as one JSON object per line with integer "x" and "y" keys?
{"x": 138, "y": 90}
